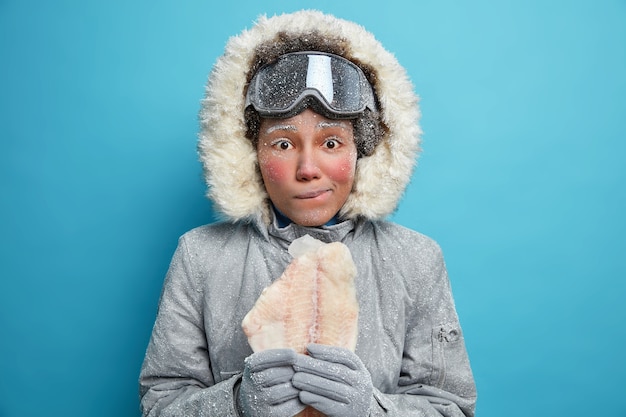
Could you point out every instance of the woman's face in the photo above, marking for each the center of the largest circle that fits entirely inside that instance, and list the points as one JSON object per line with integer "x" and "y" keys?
{"x": 308, "y": 164}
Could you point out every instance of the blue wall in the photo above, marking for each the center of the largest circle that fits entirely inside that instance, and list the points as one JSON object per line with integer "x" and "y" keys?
{"x": 521, "y": 181}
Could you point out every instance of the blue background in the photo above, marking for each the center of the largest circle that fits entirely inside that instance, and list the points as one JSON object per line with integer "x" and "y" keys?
{"x": 521, "y": 182}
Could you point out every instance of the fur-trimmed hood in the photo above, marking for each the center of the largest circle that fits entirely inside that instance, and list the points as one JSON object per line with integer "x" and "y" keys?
{"x": 229, "y": 158}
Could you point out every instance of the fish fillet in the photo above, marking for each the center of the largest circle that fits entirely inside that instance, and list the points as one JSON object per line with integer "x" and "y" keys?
{"x": 314, "y": 301}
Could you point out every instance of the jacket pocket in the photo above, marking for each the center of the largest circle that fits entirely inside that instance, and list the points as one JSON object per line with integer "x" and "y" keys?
{"x": 448, "y": 349}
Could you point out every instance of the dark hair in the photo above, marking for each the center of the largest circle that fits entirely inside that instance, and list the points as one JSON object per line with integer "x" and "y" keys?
{"x": 368, "y": 126}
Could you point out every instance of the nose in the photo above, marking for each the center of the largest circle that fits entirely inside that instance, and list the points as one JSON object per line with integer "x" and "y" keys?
{"x": 308, "y": 168}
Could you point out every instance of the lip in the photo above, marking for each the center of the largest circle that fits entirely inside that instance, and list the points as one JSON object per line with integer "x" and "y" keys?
{"x": 311, "y": 194}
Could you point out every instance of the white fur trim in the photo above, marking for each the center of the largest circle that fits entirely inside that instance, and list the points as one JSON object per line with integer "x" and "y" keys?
{"x": 228, "y": 157}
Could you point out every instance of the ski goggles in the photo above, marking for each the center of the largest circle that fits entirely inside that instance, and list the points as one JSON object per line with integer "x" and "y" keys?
{"x": 330, "y": 84}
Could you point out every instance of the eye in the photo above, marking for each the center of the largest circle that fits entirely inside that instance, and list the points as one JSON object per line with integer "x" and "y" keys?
{"x": 331, "y": 143}
{"x": 282, "y": 144}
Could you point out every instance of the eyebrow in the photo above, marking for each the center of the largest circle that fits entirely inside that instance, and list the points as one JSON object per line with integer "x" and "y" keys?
{"x": 324, "y": 124}
{"x": 274, "y": 128}
{"x": 292, "y": 128}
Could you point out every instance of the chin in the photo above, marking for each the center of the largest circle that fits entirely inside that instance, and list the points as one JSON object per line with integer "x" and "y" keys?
{"x": 312, "y": 219}
{"x": 310, "y": 223}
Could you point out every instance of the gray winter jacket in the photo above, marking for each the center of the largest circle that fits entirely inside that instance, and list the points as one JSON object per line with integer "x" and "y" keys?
{"x": 409, "y": 334}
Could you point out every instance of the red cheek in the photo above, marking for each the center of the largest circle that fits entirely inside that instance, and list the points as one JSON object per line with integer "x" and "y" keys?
{"x": 342, "y": 170}
{"x": 275, "y": 171}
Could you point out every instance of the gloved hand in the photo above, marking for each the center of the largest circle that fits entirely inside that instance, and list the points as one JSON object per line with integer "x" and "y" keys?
{"x": 333, "y": 380}
{"x": 266, "y": 388}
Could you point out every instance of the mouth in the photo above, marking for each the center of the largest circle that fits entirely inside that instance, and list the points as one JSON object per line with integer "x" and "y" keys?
{"x": 311, "y": 194}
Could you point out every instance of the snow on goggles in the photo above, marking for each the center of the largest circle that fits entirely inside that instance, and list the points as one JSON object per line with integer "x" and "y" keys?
{"x": 285, "y": 87}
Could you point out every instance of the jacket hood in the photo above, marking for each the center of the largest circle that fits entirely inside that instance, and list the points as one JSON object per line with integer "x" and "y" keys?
{"x": 229, "y": 159}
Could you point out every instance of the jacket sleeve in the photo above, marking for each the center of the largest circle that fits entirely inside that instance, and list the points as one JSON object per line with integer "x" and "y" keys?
{"x": 435, "y": 379}
{"x": 176, "y": 378}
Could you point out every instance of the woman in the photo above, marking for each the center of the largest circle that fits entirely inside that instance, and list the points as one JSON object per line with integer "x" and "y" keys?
{"x": 308, "y": 127}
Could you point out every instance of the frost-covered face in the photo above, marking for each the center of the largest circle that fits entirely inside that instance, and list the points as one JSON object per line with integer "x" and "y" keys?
{"x": 308, "y": 164}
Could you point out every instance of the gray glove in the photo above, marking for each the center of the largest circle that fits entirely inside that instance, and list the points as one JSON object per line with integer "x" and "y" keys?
{"x": 334, "y": 381}
{"x": 265, "y": 388}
